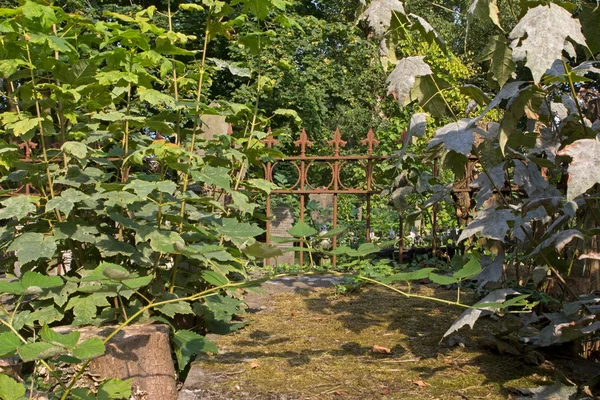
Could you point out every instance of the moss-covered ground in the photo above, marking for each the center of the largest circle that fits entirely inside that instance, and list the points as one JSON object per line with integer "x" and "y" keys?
{"x": 317, "y": 344}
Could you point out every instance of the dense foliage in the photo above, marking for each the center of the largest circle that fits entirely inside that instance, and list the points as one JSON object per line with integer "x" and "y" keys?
{"x": 117, "y": 209}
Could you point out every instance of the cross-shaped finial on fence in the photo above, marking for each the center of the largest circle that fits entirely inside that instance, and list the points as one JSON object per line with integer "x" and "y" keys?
{"x": 270, "y": 141}
{"x": 337, "y": 141}
{"x": 371, "y": 141}
{"x": 303, "y": 142}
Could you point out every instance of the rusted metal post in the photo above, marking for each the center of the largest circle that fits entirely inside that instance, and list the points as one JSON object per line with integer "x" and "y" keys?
{"x": 336, "y": 142}
{"x": 370, "y": 141}
{"x": 302, "y": 143}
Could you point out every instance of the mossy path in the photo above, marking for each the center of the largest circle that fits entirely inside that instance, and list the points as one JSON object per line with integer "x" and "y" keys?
{"x": 305, "y": 341}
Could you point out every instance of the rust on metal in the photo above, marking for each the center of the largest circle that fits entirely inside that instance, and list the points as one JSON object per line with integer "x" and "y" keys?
{"x": 335, "y": 163}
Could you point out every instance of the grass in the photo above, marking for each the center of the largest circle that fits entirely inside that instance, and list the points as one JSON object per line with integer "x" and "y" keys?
{"x": 318, "y": 345}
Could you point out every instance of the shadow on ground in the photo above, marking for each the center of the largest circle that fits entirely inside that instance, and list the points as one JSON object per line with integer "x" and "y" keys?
{"x": 309, "y": 342}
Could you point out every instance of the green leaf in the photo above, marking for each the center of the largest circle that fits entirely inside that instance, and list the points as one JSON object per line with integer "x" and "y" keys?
{"x": 289, "y": 113}
{"x": 263, "y": 250}
{"x": 411, "y": 276}
{"x": 166, "y": 242}
{"x": 115, "y": 389}
{"x": 31, "y": 278}
{"x": 215, "y": 278}
{"x": 469, "y": 270}
{"x": 187, "y": 344}
{"x": 484, "y": 10}
{"x": 112, "y": 271}
{"x": 37, "y": 13}
{"x": 9, "y": 343}
{"x": 155, "y": 98}
{"x": 10, "y": 389}
{"x": 17, "y": 207}
{"x": 231, "y": 228}
{"x": 191, "y": 7}
{"x": 84, "y": 307}
{"x": 172, "y": 309}
{"x": 89, "y": 348}
{"x": 218, "y": 176}
{"x": 262, "y": 184}
{"x": 302, "y": 229}
{"x": 499, "y": 55}
{"x": 23, "y": 126}
{"x": 32, "y": 246}
{"x": 83, "y": 394}
{"x": 68, "y": 340}
{"x": 442, "y": 279}
{"x": 76, "y": 149}
{"x": 334, "y": 232}
{"x": 242, "y": 203}
{"x": 39, "y": 351}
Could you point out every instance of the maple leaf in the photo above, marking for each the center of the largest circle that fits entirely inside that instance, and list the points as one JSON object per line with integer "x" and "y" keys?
{"x": 500, "y": 57}
{"x": 529, "y": 177}
{"x": 457, "y": 136}
{"x": 379, "y": 14}
{"x": 491, "y": 224}
{"x": 471, "y": 315}
{"x": 402, "y": 79}
{"x": 487, "y": 186}
{"x": 541, "y": 36}
{"x": 428, "y": 32}
{"x": 585, "y": 155}
{"x": 484, "y": 9}
{"x": 417, "y": 125}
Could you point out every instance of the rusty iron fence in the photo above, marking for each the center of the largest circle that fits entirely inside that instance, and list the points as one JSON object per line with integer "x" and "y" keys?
{"x": 335, "y": 162}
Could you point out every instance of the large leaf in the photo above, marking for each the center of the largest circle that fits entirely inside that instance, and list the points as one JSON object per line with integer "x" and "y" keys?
{"x": 499, "y": 54}
{"x": 471, "y": 315}
{"x": 484, "y": 10}
{"x": 9, "y": 343}
{"x": 32, "y": 246}
{"x": 379, "y": 14}
{"x": 84, "y": 307}
{"x": 115, "y": 389}
{"x": 469, "y": 270}
{"x": 457, "y": 136}
{"x": 188, "y": 344}
{"x": 489, "y": 223}
{"x": 38, "y": 351}
{"x": 585, "y": 155}
{"x": 417, "y": 125}
{"x": 486, "y": 186}
{"x": 11, "y": 389}
{"x": 402, "y": 79}
{"x": 302, "y": 229}
{"x": 89, "y": 348}
{"x": 590, "y": 25}
{"x": 541, "y": 36}
{"x": 68, "y": 340}
{"x": 428, "y": 33}
{"x": 530, "y": 178}
{"x": 16, "y": 207}
{"x": 428, "y": 91}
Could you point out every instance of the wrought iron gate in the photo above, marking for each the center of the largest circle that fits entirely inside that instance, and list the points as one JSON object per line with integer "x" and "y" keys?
{"x": 335, "y": 162}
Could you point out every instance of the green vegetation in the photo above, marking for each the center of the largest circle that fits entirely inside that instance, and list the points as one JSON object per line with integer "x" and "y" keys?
{"x": 116, "y": 208}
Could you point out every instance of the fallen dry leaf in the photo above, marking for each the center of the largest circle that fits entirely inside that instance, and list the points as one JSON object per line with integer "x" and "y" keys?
{"x": 420, "y": 383}
{"x": 254, "y": 365}
{"x": 339, "y": 392}
{"x": 381, "y": 350}
{"x": 294, "y": 313}
{"x": 318, "y": 319}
